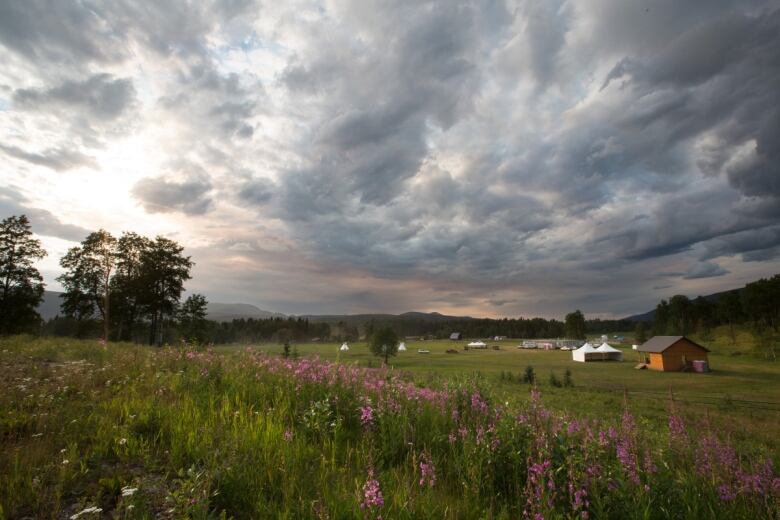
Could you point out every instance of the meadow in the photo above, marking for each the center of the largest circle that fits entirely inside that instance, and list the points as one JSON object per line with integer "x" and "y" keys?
{"x": 122, "y": 431}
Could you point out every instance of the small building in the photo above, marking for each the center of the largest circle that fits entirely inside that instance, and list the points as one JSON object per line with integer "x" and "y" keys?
{"x": 672, "y": 353}
{"x": 455, "y": 336}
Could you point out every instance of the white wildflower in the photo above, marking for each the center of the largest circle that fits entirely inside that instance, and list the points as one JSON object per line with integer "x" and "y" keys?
{"x": 122, "y": 441}
{"x": 65, "y": 462}
{"x": 128, "y": 491}
{"x": 92, "y": 509}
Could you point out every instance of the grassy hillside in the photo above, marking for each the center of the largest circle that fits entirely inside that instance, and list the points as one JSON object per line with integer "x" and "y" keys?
{"x": 133, "y": 432}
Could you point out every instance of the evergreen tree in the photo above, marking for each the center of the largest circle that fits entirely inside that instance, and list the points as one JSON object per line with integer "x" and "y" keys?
{"x": 22, "y": 284}
{"x": 575, "y": 325}
{"x": 640, "y": 334}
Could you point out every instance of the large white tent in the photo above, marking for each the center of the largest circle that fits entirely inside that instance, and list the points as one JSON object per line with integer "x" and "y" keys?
{"x": 609, "y": 353}
{"x": 587, "y": 352}
{"x": 344, "y": 347}
{"x": 477, "y": 344}
{"x": 402, "y": 347}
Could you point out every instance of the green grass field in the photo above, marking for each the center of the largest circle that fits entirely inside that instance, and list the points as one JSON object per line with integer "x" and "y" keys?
{"x": 741, "y": 393}
{"x": 126, "y": 431}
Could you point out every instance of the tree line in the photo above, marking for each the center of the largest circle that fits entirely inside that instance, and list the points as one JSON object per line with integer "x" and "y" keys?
{"x": 129, "y": 286}
{"x": 755, "y": 306}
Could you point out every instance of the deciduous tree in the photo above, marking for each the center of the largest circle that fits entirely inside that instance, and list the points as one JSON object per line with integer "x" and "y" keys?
{"x": 191, "y": 316}
{"x": 87, "y": 278}
{"x": 384, "y": 343}
{"x": 164, "y": 270}
{"x": 22, "y": 284}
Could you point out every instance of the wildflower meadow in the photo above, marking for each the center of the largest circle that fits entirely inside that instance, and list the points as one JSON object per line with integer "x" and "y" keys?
{"x": 120, "y": 431}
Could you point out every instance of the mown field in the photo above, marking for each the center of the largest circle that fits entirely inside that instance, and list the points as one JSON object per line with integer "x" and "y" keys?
{"x": 123, "y": 431}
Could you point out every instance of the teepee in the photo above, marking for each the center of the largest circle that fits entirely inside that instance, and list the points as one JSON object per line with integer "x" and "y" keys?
{"x": 344, "y": 347}
{"x": 402, "y": 347}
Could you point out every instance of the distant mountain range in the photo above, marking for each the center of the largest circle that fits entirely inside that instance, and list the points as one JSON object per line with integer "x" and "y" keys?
{"x": 50, "y": 307}
{"x": 650, "y": 315}
{"x": 232, "y": 311}
{"x": 359, "y": 319}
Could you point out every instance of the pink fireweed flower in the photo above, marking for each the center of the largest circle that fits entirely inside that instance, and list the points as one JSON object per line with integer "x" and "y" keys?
{"x": 367, "y": 416}
{"x": 676, "y": 428}
{"x": 288, "y": 435}
{"x": 372, "y": 493}
{"x": 427, "y": 471}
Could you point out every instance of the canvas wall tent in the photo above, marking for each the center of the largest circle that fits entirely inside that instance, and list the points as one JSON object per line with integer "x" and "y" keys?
{"x": 477, "y": 344}
{"x": 344, "y": 347}
{"x": 455, "y": 336}
{"x": 587, "y": 352}
{"x": 402, "y": 347}
{"x": 609, "y": 353}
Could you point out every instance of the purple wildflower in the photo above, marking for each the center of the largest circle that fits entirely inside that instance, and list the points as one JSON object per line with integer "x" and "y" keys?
{"x": 367, "y": 416}
{"x": 427, "y": 471}
{"x": 372, "y": 494}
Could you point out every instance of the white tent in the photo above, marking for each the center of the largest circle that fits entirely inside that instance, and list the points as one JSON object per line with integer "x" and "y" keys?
{"x": 402, "y": 347}
{"x": 587, "y": 352}
{"x": 477, "y": 344}
{"x": 344, "y": 347}
{"x": 609, "y": 352}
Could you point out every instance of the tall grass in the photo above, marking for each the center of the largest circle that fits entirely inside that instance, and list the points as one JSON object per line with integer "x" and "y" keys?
{"x": 139, "y": 433}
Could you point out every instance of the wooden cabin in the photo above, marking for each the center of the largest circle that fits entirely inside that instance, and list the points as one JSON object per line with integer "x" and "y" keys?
{"x": 671, "y": 353}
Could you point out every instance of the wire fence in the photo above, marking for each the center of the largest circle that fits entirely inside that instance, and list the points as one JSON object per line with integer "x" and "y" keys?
{"x": 718, "y": 400}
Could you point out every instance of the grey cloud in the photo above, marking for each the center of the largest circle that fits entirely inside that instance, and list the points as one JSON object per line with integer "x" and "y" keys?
{"x": 59, "y": 32}
{"x": 58, "y": 159}
{"x": 704, "y": 270}
{"x": 101, "y": 96}
{"x": 753, "y": 244}
{"x": 256, "y": 192}
{"x": 158, "y": 195}
{"x": 762, "y": 255}
{"x": 546, "y": 33}
{"x": 78, "y": 33}
{"x": 43, "y": 221}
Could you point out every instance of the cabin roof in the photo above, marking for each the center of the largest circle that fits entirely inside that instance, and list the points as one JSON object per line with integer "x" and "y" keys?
{"x": 658, "y": 344}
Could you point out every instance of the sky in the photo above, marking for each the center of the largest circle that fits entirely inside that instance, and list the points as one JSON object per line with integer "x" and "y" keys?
{"x": 496, "y": 158}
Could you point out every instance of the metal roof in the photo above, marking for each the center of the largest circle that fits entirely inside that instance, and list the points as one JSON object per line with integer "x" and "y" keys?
{"x": 658, "y": 344}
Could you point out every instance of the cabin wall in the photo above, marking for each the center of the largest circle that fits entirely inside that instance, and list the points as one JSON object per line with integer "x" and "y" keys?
{"x": 673, "y": 356}
{"x": 656, "y": 361}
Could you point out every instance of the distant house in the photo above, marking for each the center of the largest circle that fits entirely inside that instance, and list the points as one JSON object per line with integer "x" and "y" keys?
{"x": 455, "y": 336}
{"x": 672, "y": 353}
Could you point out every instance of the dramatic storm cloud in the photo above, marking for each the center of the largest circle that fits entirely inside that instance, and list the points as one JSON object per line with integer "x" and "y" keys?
{"x": 494, "y": 158}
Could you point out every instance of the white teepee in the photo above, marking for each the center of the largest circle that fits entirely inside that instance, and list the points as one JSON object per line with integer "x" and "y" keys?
{"x": 344, "y": 347}
{"x": 402, "y": 347}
